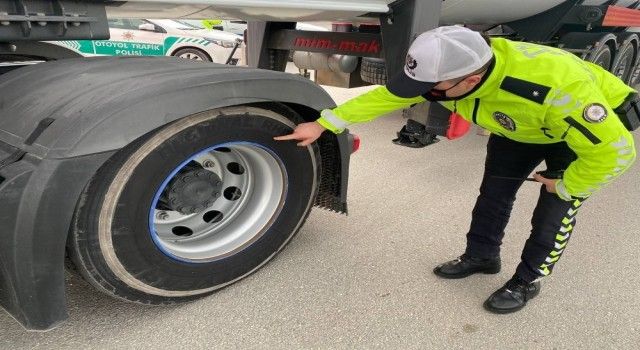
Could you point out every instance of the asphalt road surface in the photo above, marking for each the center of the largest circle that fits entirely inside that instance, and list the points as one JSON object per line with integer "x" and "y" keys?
{"x": 365, "y": 281}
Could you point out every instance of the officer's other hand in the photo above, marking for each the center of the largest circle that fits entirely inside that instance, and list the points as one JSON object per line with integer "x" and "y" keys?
{"x": 306, "y": 133}
{"x": 549, "y": 183}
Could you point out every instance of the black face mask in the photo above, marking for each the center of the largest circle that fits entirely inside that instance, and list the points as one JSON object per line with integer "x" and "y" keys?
{"x": 434, "y": 95}
{"x": 441, "y": 95}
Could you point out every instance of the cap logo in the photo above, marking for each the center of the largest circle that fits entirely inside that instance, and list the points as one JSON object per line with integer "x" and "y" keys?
{"x": 411, "y": 64}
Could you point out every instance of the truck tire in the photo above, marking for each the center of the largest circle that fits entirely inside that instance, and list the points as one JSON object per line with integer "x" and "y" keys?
{"x": 194, "y": 206}
{"x": 373, "y": 71}
{"x": 634, "y": 78}
{"x": 623, "y": 64}
{"x": 598, "y": 48}
{"x": 192, "y": 54}
{"x": 602, "y": 56}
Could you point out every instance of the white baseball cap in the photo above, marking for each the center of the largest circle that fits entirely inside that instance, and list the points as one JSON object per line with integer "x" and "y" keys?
{"x": 437, "y": 55}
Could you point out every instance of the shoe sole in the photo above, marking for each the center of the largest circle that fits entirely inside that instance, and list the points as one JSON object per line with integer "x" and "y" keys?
{"x": 488, "y": 271}
{"x": 507, "y": 311}
{"x": 501, "y": 311}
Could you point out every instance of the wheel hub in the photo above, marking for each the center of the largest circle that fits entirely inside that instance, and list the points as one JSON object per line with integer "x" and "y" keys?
{"x": 193, "y": 191}
{"x": 217, "y": 202}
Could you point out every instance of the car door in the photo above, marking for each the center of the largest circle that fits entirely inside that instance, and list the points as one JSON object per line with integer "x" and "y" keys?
{"x": 132, "y": 37}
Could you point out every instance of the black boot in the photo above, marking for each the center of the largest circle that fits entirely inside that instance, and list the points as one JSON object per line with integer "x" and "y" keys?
{"x": 466, "y": 266}
{"x": 512, "y": 297}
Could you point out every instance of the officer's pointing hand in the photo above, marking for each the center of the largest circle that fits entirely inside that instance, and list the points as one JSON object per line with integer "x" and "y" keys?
{"x": 306, "y": 133}
{"x": 549, "y": 183}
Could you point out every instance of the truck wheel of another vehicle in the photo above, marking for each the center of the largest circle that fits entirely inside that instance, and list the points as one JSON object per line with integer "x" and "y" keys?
{"x": 634, "y": 77}
{"x": 194, "y": 206}
{"x": 598, "y": 48}
{"x": 373, "y": 71}
{"x": 192, "y": 54}
{"x": 623, "y": 64}
{"x": 601, "y": 56}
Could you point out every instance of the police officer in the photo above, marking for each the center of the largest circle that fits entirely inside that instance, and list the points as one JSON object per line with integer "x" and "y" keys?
{"x": 539, "y": 103}
{"x": 212, "y": 24}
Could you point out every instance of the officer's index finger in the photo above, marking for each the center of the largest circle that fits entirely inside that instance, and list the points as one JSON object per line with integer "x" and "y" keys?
{"x": 292, "y": 136}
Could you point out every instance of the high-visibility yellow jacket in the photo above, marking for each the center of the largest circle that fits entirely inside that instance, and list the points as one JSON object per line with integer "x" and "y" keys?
{"x": 533, "y": 94}
{"x": 210, "y": 23}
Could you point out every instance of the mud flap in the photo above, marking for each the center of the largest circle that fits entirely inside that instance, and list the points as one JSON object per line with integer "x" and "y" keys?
{"x": 38, "y": 198}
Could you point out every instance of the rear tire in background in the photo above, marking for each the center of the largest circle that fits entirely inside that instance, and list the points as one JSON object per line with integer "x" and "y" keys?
{"x": 194, "y": 206}
{"x": 634, "y": 77}
{"x": 193, "y": 54}
{"x": 624, "y": 63}
{"x": 602, "y": 56}
{"x": 598, "y": 48}
{"x": 373, "y": 71}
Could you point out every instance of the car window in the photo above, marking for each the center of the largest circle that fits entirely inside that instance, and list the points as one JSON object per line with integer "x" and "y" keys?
{"x": 117, "y": 23}
{"x": 135, "y": 23}
{"x": 125, "y": 23}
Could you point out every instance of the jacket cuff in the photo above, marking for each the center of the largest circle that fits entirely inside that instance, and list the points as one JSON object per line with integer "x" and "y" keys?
{"x": 561, "y": 191}
{"x": 332, "y": 122}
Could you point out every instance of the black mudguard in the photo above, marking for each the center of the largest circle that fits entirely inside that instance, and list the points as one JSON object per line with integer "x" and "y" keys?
{"x": 60, "y": 121}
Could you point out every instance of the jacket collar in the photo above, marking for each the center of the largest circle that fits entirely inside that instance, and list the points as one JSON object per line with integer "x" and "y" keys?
{"x": 490, "y": 81}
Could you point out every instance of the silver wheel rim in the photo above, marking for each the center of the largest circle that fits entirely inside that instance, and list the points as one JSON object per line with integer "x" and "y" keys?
{"x": 253, "y": 188}
{"x": 191, "y": 56}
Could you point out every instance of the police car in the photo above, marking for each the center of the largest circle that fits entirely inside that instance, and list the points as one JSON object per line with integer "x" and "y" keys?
{"x": 162, "y": 37}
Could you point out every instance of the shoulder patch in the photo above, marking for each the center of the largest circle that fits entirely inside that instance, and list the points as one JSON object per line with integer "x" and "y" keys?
{"x": 504, "y": 120}
{"x": 525, "y": 89}
{"x": 594, "y": 113}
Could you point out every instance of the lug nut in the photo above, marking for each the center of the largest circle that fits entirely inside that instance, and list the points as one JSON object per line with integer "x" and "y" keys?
{"x": 208, "y": 164}
{"x": 162, "y": 215}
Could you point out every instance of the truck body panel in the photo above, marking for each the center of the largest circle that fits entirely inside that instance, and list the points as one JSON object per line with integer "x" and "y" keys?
{"x": 453, "y": 11}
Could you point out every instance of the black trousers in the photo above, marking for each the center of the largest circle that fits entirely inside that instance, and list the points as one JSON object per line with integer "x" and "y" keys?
{"x": 553, "y": 218}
